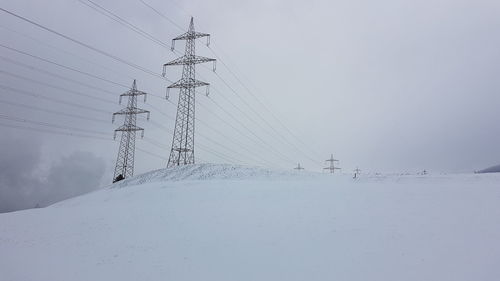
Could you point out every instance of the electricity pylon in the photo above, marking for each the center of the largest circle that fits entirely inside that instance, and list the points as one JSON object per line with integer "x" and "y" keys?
{"x": 182, "y": 152}
{"x": 298, "y": 167}
{"x": 357, "y": 171}
{"x": 125, "y": 161}
{"x": 332, "y": 167}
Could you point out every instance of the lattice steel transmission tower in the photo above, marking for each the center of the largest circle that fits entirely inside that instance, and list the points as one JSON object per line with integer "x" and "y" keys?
{"x": 356, "y": 171}
{"x": 125, "y": 161}
{"x": 298, "y": 167}
{"x": 182, "y": 152}
{"x": 332, "y": 167}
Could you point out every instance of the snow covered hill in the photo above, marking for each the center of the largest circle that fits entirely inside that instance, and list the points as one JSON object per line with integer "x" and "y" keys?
{"x": 494, "y": 169}
{"x": 221, "y": 222}
{"x": 213, "y": 172}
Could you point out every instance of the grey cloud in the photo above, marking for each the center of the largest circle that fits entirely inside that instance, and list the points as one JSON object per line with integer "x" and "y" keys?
{"x": 384, "y": 85}
{"x": 21, "y": 183}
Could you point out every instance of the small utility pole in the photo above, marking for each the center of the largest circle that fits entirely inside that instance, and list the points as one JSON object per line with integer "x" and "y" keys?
{"x": 332, "y": 167}
{"x": 298, "y": 167}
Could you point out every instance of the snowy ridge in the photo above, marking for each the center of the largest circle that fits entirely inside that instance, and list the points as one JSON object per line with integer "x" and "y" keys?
{"x": 430, "y": 178}
{"x": 225, "y": 223}
{"x": 494, "y": 169}
{"x": 214, "y": 172}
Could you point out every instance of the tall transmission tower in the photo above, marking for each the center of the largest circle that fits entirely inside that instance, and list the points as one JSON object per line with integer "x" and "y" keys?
{"x": 182, "y": 152}
{"x": 298, "y": 167}
{"x": 332, "y": 167}
{"x": 125, "y": 161}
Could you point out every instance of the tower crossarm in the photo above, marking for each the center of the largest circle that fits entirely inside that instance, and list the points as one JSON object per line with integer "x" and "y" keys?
{"x": 189, "y": 59}
{"x": 188, "y": 82}
{"x": 127, "y": 128}
{"x": 133, "y": 93}
{"x": 191, "y": 35}
{"x": 130, "y": 93}
{"x": 130, "y": 111}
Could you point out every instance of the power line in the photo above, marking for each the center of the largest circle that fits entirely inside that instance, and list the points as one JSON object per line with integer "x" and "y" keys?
{"x": 31, "y": 129}
{"x": 266, "y": 144}
{"x": 52, "y": 111}
{"x": 103, "y": 11}
{"x": 54, "y": 86}
{"x": 138, "y": 30}
{"x": 53, "y": 132}
{"x": 45, "y": 124}
{"x": 245, "y": 102}
{"x": 51, "y": 99}
{"x": 62, "y": 50}
{"x": 122, "y": 21}
{"x": 285, "y": 141}
{"x": 17, "y": 119}
{"x": 241, "y": 82}
{"x": 54, "y": 74}
{"x": 80, "y": 43}
{"x": 65, "y": 67}
{"x": 83, "y": 44}
{"x": 90, "y": 108}
{"x": 60, "y": 65}
{"x": 214, "y": 129}
{"x": 232, "y": 126}
{"x": 81, "y": 117}
{"x": 204, "y": 148}
{"x": 162, "y": 15}
{"x": 259, "y": 101}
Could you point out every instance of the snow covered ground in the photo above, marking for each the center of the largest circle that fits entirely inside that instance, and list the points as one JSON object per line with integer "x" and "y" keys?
{"x": 226, "y": 223}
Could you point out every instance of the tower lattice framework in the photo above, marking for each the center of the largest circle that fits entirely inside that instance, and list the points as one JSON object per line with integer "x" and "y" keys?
{"x": 182, "y": 152}
{"x": 125, "y": 161}
{"x": 332, "y": 166}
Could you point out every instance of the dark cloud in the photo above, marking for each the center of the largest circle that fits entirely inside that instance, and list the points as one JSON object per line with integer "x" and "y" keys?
{"x": 22, "y": 185}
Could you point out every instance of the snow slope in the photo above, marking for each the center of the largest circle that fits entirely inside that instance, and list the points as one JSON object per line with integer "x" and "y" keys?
{"x": 494, "y": 169}
{"x": 220, "y": 222}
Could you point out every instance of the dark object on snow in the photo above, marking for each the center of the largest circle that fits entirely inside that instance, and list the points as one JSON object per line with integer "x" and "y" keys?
{"x": 494, "y": 169}
{"x": 118, "y": 178}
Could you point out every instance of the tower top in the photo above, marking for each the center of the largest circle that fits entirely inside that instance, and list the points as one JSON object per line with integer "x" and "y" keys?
{"x": 191, "y": 25}
{"x": 134, "y": 85}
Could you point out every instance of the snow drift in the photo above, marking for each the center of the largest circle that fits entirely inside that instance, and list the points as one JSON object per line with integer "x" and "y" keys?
{"x": 220, "y": 222}
{"x": 213, "y": 172}
{"x": 494, "y": 169}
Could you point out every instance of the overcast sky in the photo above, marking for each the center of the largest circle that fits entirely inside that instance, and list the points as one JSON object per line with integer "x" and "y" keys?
{"x": 389, "y": 86}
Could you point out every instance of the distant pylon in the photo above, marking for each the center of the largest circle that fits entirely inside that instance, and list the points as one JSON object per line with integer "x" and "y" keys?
{"x": 356, "y": 172}
{"x": 125, "y": 161}
{"x": 332, "y": 167}
{"x": 182, "y": 152}
{"x": 298, "y": 167}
